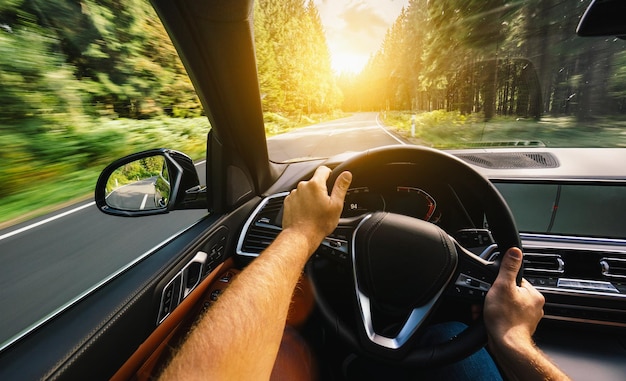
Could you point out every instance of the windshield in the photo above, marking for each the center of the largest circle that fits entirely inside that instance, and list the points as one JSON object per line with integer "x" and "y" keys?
{"x": 445, "y": 74}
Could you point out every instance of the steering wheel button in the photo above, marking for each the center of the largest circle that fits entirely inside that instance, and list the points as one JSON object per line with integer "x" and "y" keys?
{"x": 467, "y": 281}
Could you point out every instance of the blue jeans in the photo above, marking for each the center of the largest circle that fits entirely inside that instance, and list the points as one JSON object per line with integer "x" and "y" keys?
{"x": 479, "y": 366}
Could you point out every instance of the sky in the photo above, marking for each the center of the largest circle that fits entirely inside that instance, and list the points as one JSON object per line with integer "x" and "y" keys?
{"x": 356, "y": 28}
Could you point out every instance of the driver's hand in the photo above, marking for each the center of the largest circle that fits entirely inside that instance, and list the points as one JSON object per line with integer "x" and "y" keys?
{"x": 512, "y": 313}
{"x": 311, "y": 211}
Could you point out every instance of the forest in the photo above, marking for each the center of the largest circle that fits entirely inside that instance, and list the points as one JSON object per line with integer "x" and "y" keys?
{"x": 490, "y": 57}
{"x": 87, "y": 81}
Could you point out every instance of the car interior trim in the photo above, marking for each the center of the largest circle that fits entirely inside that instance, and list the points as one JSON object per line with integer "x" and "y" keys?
{"x": 607, "y": 263}
{"x": 562, "y": 290}
{"x": 151, "y": 346}
{"x": 414, "y": 321}
{"x": 584, "y": 321}
{"x": 182, "y": 285}
{"x": 250, "y": 221}
{"x": 554, "y": 239}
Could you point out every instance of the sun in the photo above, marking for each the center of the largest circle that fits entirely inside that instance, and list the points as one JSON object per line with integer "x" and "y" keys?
{"x": 348, "y": 63}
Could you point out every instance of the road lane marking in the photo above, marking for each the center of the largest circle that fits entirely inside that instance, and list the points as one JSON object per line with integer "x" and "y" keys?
{"x": 314, "y": 130}
{"x": 32, "y": 226}
{"x": 42, "y": 222}
{"x": 387, "y": 132}
{"x": 143, "y": 202}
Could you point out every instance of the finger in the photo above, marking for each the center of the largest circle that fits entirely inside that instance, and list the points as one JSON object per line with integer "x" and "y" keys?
{"x": 321, "y": 175}
{"x": 341, "y": 187}
{"x": 511, "y": 263}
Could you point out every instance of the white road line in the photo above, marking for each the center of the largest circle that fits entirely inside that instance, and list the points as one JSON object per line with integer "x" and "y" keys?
{"x": 387, "y": 132}
{"x": 143, "y": 202}
{"x": 25, "y": 228}
{"x": 29, "y": 227}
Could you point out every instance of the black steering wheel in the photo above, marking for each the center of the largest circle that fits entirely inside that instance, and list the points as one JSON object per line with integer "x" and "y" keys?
{"x": 387, "y": 253}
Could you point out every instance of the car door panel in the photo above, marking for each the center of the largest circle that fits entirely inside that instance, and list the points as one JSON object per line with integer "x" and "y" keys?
{"x": 115, "y": 320}
{"x": 143, "y": 362}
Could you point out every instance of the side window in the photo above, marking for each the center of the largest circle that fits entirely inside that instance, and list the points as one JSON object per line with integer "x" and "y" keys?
{"x": 83, "y": 83}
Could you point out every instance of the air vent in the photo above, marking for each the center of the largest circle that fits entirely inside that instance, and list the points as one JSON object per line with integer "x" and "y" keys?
{"x": 613, "y": 267}
{"x": 538, "y": 263}
{"x": 511, "y": 160}
{"x": 262, "y": 227}
{"x": 549, "y": 264}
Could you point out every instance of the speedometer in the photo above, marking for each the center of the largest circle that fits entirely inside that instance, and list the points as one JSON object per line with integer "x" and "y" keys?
{"x": 413, "y": 202}
{"x": 360, "y": 201}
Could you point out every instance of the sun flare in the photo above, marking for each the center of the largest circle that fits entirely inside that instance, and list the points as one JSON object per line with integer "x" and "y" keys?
{"x": 349, "y": 63}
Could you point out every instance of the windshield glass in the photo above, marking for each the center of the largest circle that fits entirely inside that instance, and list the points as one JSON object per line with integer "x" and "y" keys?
{"x": 446, "y": 74}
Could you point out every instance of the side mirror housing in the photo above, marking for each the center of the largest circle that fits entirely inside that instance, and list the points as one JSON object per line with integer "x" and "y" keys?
{"x": 148, "y": 183}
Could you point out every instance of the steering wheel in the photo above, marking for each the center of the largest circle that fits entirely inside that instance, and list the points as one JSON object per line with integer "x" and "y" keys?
{"x": 401, "y": 267}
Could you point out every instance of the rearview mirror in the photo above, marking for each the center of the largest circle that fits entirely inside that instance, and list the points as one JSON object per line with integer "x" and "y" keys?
{"x": 148, "y": 183}
{"x": 603, "y": 18}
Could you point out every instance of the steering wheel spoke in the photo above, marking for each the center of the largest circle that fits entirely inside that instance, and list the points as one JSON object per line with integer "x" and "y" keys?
{"x": 408, "y": 329}
{"x": 473, "y": 276}
{"x": 337, "y": 246}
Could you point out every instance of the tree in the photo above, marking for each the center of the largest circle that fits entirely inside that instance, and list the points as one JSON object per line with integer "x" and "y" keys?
{"x": 292, "y": 58}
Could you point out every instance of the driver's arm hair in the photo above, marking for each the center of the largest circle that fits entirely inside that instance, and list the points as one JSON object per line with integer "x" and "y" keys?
{"x": 512, "y": 314}
{"x": 239, "y": 336}
{"x": 523, "y": 361}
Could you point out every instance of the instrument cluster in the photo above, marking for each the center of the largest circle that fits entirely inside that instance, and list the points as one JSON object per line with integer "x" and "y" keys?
{"x": 406, "y": 200}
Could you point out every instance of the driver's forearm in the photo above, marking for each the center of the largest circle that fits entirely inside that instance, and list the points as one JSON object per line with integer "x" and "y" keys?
{"x": 238, "y": 338}
{"x": 523, "y": 361}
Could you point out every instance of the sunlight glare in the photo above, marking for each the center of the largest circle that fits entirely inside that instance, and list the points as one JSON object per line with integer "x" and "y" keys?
{"x": 355, "y": 29}
{"x": 348, "y": 63}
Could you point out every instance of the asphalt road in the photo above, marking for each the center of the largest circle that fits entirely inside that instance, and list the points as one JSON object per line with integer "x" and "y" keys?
{"x": 355, "y": 133}
{"x": 51, "y": 260}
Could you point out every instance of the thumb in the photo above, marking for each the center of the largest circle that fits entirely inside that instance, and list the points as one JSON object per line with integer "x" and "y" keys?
{"x": 510, "y": 265}
{"x": 341, "y": 187}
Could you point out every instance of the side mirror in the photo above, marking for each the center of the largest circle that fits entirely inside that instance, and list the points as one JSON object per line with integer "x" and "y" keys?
{"x": 150, "y": 182}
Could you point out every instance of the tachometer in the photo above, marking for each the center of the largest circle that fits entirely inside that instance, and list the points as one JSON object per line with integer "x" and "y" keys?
{"x": 360, "y": 201}
{"x": 413, "y": 202}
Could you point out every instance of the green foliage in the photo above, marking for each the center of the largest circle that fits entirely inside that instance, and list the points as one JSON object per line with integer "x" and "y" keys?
{"x": 30, "y": 179}
{"x": 488, "y": 57}
{"x": 451, "y": 129}
{"x": 84, "y": 83}
{"x": 137, "y": 170}
{"x": 436, "y": 128}
{"x": 293, "y": 60}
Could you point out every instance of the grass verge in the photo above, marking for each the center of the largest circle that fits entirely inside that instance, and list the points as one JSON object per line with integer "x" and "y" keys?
{"x": 443, "y": 129}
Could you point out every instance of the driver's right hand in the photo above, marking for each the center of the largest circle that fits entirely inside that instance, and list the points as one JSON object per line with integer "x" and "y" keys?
{"x": 512, "y": 312}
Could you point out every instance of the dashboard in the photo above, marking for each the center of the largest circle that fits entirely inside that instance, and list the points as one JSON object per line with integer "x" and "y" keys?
{"x": 569, "y": 206}
{"x": 572, "y": 222}
{"x": 417, "y": 191}
{"x": 571, "y": 214}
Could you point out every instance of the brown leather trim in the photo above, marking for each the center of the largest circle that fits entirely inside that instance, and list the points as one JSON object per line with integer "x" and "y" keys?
{"x": 144, "y": 362}
{"x": 148, "y": 353}
{"x": 294, "y": 361}
{"x": 302, "y": 302}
